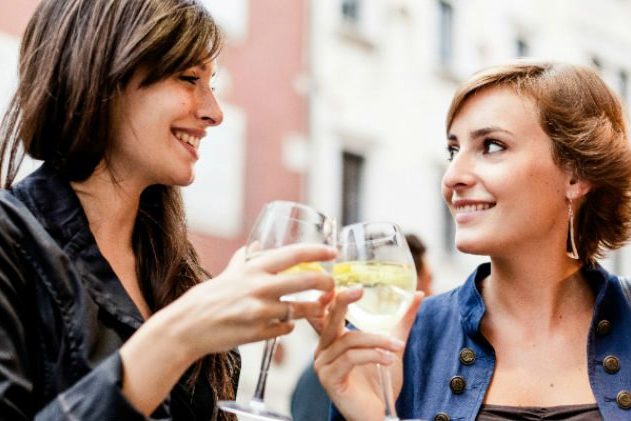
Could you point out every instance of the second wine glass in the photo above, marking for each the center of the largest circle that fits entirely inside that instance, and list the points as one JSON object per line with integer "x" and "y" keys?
{"x": 374, "y": 256}
{"x": 282, "y": 223}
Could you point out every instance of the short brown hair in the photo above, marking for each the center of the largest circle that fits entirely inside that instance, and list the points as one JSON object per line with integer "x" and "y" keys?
{"x": 586, "y": 123}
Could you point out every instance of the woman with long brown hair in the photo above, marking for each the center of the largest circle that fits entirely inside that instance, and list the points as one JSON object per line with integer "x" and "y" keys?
{"x": 103, "y": 312}
{"x": 539, "y": 180}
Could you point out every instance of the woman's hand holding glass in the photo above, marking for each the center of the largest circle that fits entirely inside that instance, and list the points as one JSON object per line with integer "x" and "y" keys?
{"x": 242, "y": 304}
{"x": 284, "y": 226}
{"x": 375, "y": 281}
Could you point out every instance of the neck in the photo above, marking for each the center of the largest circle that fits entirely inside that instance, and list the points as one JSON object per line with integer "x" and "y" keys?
{"x": 539, "y": 288}
{"x": 110, "y": 206}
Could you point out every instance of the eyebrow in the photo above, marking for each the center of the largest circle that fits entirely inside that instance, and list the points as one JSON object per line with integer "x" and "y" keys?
{"x": 484, "y": 131}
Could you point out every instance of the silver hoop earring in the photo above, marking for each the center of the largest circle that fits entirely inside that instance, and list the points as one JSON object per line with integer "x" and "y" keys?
{"x": 573, "y": 253}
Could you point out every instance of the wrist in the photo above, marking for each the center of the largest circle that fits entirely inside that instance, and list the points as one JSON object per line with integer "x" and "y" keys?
{"x": 169, "y": 328}
{"x": 153, "y": 361}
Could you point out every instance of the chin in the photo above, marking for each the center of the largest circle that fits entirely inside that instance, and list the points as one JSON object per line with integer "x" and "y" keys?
{"x": 471, "y": 246}
{"x": 188, "y": 182}
{"x": 183, "y": 179}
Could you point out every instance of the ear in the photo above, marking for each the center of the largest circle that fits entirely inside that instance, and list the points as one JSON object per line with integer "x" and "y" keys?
{"x": 577, "y": 188}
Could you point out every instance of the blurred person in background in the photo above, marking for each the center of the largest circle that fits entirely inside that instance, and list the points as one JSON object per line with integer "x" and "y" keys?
{"x": 423, "y": 269}
{"x": 539, "y": 179}
{"x": 104, "y": 314}
{"x": 309, "y": 401}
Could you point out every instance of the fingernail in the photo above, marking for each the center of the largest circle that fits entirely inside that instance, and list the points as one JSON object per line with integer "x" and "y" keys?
{"x": 397, "y": 344}
{"x": 355, "y": 291}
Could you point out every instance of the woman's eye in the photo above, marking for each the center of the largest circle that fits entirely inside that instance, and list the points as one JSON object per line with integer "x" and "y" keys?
{"x": 451, "y": 151}
{"x": 190, "y": 79}
{"x": 492, "y": 146}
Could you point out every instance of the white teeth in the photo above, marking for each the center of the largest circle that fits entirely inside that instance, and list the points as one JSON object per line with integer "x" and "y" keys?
{"x": 473, "y": 208}
{"x": 186, "y": 138}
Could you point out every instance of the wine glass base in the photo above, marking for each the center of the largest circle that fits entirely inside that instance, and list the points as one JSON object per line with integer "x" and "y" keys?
{"x": 254, "y": 410}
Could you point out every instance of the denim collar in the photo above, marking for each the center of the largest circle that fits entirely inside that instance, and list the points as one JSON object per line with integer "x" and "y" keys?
{"x": 53, "y": 202}
{"x": 472, "y": 307}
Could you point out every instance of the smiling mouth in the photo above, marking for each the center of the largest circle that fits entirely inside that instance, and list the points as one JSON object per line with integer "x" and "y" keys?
{"x": 187, "y": 138}
{"x": 473, "y": 207}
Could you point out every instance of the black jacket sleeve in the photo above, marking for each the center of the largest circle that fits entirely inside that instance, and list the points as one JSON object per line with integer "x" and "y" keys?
{"x": 96, "y": 396}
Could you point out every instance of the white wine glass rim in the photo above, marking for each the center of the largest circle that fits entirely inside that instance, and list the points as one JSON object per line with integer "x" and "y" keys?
{"x": 298, "y": 205}
{"x": 386, "y": 237}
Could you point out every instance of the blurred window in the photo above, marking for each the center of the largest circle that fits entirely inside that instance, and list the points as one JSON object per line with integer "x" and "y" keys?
{"x": 522, "y": 48}
{"x": 352, "y": 183}
{"x": 445, "y": 39}
{"x": 351, "y": 10}
{"x": 623, "y": 84}
{"x": 596, "y": 63}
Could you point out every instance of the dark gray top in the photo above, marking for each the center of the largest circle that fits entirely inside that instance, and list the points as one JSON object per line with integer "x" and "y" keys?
{"x": 588, "y": 412}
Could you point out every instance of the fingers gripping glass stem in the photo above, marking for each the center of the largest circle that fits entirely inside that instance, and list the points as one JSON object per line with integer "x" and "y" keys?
{"x": 386, "y": 384}
{"x": 281, "y": 224}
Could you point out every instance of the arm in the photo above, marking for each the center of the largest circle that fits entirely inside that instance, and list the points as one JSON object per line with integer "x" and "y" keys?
{"x": 15, "y": 383}
{"x": 346, "y": 361}
{"x": 240, "y": 305}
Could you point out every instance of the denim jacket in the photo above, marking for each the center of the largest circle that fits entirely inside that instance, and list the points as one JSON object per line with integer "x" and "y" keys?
{"x": 64, "y": 314}
{"x": 448, "y": 364}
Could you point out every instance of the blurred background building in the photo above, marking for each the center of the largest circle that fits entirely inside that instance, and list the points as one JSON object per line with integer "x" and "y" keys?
{"x": 341, "y": 103}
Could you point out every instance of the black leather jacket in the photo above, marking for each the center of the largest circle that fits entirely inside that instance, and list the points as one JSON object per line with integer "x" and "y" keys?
{"x": 64, "y": 315}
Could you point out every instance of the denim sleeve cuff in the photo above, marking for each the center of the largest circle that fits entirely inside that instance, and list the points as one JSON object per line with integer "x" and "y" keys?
{"x": 97, "y": 396}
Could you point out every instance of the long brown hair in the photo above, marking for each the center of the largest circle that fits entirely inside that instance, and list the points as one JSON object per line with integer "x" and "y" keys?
{"x": 75, "y": 57}
{"x": 586, "y": 123}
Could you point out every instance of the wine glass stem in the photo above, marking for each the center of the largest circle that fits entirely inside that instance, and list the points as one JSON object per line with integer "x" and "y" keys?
{"x": 386, "y": 386}
{"x": 259, "y": 393}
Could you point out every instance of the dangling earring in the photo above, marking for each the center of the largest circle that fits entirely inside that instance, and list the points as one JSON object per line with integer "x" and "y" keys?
{"x": 573, "y": 253}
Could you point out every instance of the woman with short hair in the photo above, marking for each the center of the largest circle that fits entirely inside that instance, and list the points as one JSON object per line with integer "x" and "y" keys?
{"x": 539, "y": 180}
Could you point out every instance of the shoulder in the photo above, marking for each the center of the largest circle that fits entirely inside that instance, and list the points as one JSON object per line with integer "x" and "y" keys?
{"x": 13, "y": 240}
{"x": 24, "y": 242}
{"x": 624, "y": 283}
{"x": 13, "y": 218}
{"x": 610, "y": 288}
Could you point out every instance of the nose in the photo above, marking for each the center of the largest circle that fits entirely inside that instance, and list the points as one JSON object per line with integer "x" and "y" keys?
{"x": 208, "y": 109}
{"x": 460, "y": 173}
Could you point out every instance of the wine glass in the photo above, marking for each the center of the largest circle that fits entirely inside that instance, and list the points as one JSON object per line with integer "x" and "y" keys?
{"x": 281, "y": 223}
{"x": 374, "y": 256}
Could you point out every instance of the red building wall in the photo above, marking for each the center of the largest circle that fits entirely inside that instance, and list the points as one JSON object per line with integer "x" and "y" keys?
{"x": 264, "y": 68}
{"x": 14, "y": 14}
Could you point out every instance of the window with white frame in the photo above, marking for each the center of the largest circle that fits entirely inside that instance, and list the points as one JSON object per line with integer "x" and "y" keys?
{"x": 352, "y": 184}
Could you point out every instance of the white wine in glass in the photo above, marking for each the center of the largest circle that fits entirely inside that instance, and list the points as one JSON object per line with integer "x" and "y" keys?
{"x": 279, "y": 224}
{"x": 388, "y": 290}
{"x": 374, "y": 256}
